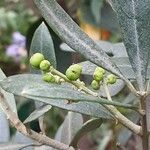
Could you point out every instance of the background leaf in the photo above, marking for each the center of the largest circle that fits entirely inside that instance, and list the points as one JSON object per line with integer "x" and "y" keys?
{"x": 19, "y": 138}
{"x": 9, "y": 97}
{"x": 72, "y": 123}
{"x": 88, "y": 126}
{"x": 67, "y": 30}
{"x": 16, "y": 146}
{"x": 4, "y": 128}
{"x": 99, "y": 14}
{"x": 96, "y": 6}
{"x": 4, "y": 124}
{"x": 133, "y": 17}
{"x": 124, "y": 133}
{"x": 37, "y": 113}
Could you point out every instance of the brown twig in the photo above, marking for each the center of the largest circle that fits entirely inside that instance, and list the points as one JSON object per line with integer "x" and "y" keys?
{"x": 28, "y": 132}
{"x": 121, "y": 118}
{"x": 145, "y": 135}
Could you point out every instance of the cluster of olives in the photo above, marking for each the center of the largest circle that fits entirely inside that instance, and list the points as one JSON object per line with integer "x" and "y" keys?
{"x": 98, "y": 77}
{"x": 72, "y": 73}
{"x": 38, "y": 61}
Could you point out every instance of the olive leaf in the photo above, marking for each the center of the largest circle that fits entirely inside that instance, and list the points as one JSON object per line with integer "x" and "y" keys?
{"x": 8, "y": 96}
{"x": 68, "y": 31}
{"x": 16, "y": 146}
{"x": 31, "y": 86}
{"x": 4, "y": 124}
{"x": 42, "y": 43}
{"x": 68, "y": 129}
{"x": 88, "y": 126}
{"x": 133, "y": 17}
{"x": 92, "y": 109}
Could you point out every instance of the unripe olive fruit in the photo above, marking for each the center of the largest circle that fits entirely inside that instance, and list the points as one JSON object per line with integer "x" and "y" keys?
{"x": 99, "y": 69}
{"x": 73, "y": 72}
{"x": 45, "y": 65}
{"x": 71, "y": 75}
{"x": 111, "y": 79}
{"x": 95, "y": 85}
{"x": 98, "y": 76}
{"x": 48, "y": 78}
{"x": 36, "y": 59}
{"x": 76, "y": 68}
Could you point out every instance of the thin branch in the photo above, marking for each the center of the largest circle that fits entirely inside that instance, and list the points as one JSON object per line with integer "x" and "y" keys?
{"x": 121, "y": 118}
{"x": 75, "y": 83}
{"x": 148, "y": 88}
{"x": 145, "y": 137}
{"x": 131, "y": 87}
{"x": 28, "y": 132}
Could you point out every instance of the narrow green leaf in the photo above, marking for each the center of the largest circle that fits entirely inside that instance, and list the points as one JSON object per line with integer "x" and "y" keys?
{"x": 72, "y": 123}
{"x": 4, "y": 128}
{"x": 42, "y": 43}
{"x": 68, "y": 30}
{"x": 87, "y": 108}
{"x": 4, "y": 124}
{"x": 28, "y": 85}
{"x": 88, "y": 126}
{"x": 134, "y": 19}
{"x": 38, "y": 113}
{"x": 21, "y": 138}
{"x": 16, "y": 146}
{"x": 115, "y": 49}
{"x": 9, "y": 97}
{"x": 92, "y": 109}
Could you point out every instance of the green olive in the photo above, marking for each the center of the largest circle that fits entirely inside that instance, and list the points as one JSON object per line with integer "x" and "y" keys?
{"x": 48, "y": 78}
{"x": 36, "y": 59}
{"x": 71, "y": 75}
{"x": 98, "y": 76}
{"x": 95, "y": 85}
{"x": 73, "y": 72}
{"x": 45, "y": 65}
{"x": 76, "y": 68}
{"x": 111, "y": 79}
{"x": 99, "y": 69}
